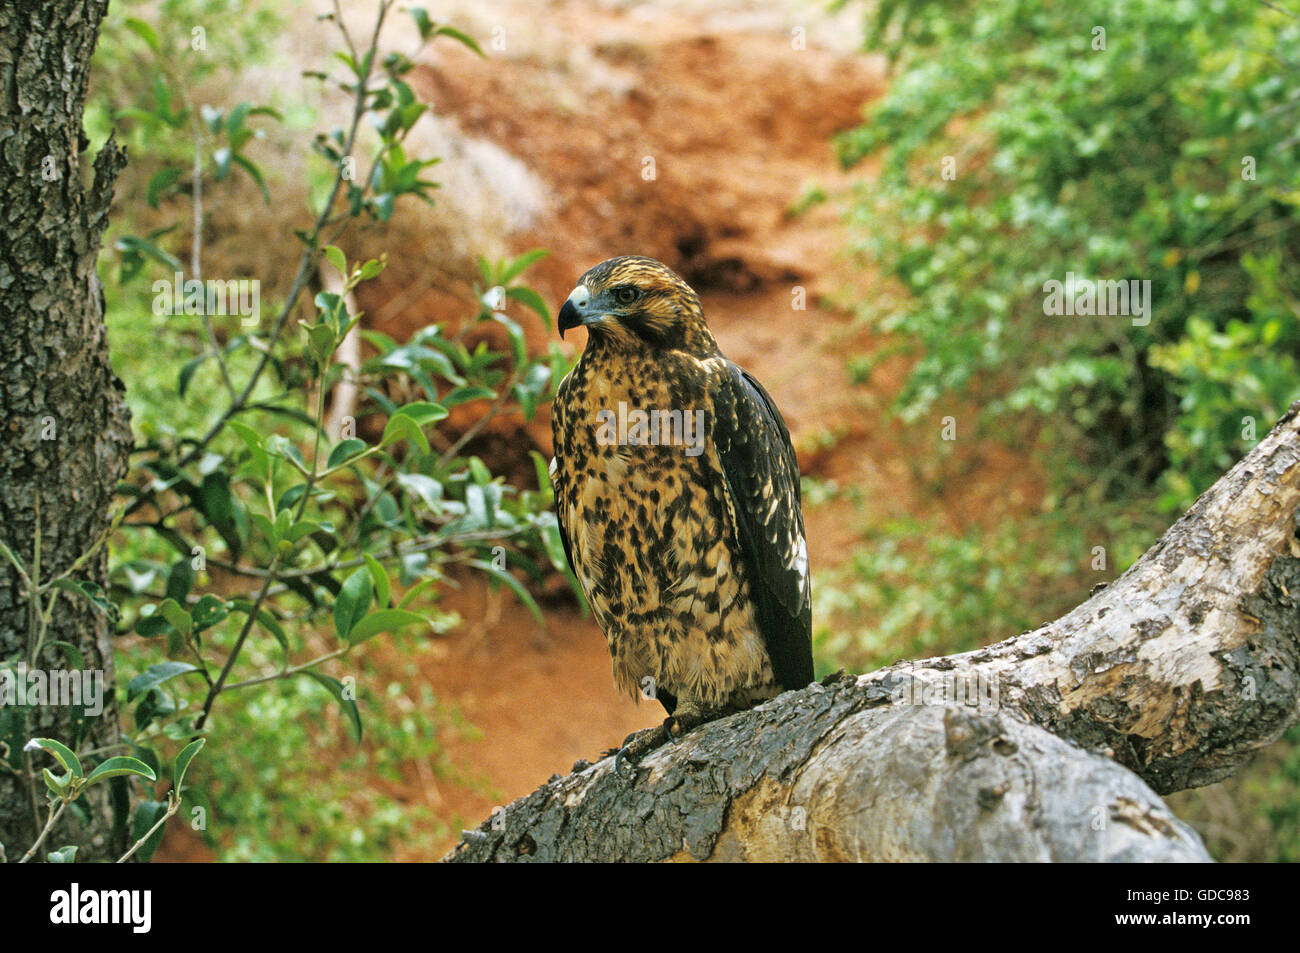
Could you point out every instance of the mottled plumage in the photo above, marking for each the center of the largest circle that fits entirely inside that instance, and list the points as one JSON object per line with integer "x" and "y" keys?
{"x": 688, "y": 542}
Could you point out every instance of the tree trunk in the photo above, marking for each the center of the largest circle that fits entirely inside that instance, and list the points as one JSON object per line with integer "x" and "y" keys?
{"x": 1045, "y": 746}
{"x": 64, "y": 423}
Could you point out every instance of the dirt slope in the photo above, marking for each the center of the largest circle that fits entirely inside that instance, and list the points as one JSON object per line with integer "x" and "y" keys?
{"x": 688, "y": 135}
{"x": 689, "y": 145}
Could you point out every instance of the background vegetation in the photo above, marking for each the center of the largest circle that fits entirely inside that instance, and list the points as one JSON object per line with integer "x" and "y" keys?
{"x": 235, "y": 483}
{"x": 1151, "y": 140}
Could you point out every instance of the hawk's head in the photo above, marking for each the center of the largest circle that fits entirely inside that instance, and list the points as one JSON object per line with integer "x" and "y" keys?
{"x": 636, "y": 303}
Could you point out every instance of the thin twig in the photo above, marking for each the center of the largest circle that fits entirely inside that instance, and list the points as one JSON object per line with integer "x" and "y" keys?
{"x": 49, "y": 826}
{"x": 292, "y": 670}
{"x": 306, "y": 267}
{"x": 173, "y": 805}
{"x": 482, "y": 422}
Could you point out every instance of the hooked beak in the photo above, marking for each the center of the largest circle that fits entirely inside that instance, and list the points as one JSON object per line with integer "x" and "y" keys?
{"x": 574, "y": 312}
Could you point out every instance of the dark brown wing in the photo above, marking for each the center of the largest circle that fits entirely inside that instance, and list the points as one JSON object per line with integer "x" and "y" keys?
{"x": 762, "y": 482}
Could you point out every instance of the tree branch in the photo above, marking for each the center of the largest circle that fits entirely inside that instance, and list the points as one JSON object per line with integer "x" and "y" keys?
{"x": 1040, "y": 747}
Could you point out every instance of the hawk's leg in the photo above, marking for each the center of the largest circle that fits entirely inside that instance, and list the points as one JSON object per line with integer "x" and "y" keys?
{"x": 638, "y": 744}
{"x": 685, "y": 716}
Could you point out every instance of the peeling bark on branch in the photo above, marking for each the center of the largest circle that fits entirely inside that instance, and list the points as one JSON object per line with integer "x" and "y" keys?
{"x": 836, "y": 773}
{"x": 1178, "y": 671}
{"x": 1189, "y": 661}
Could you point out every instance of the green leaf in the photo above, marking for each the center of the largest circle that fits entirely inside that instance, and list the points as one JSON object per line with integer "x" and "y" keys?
{"x": 413, "y": 567}
{"x": 187, "y": 372}
{"x": 421, "y": 18}
{"x": 322, "y": 339}
{"x": 208, "y": 611}
{"x": 161, "y": 181}
{"x": 222, "y": 159}
{"x": 183, "y": 763}
{"x": 553, "y": 542}
{"x": 179, "y": 618}
{"x": 144, "y": 31}
{"x": 61, "y": 752}
{"x": 141, "y": 246}
{"x": 164, "y": 98}
{"x": 423, "y": 412}
{"x": 217, "y": 503}
{"x": 463, "y": 395}
{"x": 400, "y": 426}
{"x": 253, "y": 441}
{"x": 529, "y": 391}
{"x": 514, "y": 584}
{"x": 283, "y": 520}
{"x": 337, "y": 259}
{"x": 410, "y": 595}
{"x": 254, "y": 173}
{"x": 119, "y": 766}
{"x": 147, "y": 815}
{"x": 530, "y": 298}
{"x": 266, "y": 527}
{"x": 344, "y": 451}
{"x": 479, "y": 471}
{"x": 214, "y": 118}
{"x": 153, "y": 706}
{"x": 300, "y": 529}
{"x": 152, "y": 623}
{"x": 180, "y": 580}
{"x": 64, "y": 855}
{"x": 75, "y": 658}
{"x": 416, "y": 359}
{"x": 353, "y": 602}
{"x": 89, "y": 590}
{"x": 58, "y": 786}
{"x": 518, "y": 346}
{"x": 522, "y": 263}
{"x": 351, "y": 63}
{"x": 154, "y": 676}
{"x": 140, "y": 115}
{"x": 464, "y": 38}
{"x": 349, "y": 706}
{"x": 379, "y": 576}
{"x": 148, "y": 756}
{"x": 265, "y": 619}
{"x": 383, "y": 620}
{"x": 290, "y": 497}
{"x": 426, "y": 488}
{"x": 236, "y": 121}
{"x": 543, "y": 472}
{"x": 476, "y": 509}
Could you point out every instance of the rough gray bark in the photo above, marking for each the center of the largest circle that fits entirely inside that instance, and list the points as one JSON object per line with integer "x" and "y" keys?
{"x": 64, "y": 424}
{"x": 1039, "y": 747}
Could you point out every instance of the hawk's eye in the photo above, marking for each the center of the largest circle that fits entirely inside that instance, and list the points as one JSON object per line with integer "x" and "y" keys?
{"x": 626, "y": 294}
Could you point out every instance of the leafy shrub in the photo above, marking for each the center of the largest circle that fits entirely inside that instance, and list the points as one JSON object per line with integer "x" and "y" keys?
{"x": 256, "y": 552}
{"x": 1149, "y": 141}
{"x": 1154, "y": 141}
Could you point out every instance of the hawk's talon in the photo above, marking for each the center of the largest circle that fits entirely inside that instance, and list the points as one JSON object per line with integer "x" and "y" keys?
{"x": 635, "y": 746}
{"x": 618, "y": 766}
{"x": 668, "y": 730}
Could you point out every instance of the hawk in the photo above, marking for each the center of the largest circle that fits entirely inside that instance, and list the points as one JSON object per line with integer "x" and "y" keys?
{"x": 677, "y": 494}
